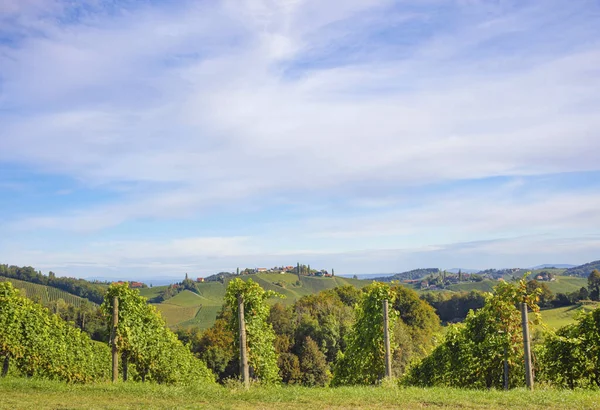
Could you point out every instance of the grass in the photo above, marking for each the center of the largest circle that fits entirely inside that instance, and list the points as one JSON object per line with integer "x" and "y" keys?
{"x": 562, "y": 284}
{"x": 483, "y": 286}
{"x": 152, "y": 292}
{"x": 45, "y": 294}
{"x": 562, "y": 316}
{"x": 566, "y": 284}
{"x": 20, "y": 393}
{"x": 185, "y": 298}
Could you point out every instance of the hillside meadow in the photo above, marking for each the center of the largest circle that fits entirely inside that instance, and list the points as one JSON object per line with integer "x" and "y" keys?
{"x": 42, "y": 394}
{"x": 188, "y": 309}
{"x": 562, "y": 316}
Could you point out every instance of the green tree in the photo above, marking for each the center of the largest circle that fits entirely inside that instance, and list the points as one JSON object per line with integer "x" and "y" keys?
{"x": 262, "y": 357}
{"x": 594, "y": 285}
{"x": 545, "y": 294}
{"x": 326, "y": 319}
{"x": 216, "y": 348}
{"x": 313, "y": 365}
{"x": 348, "y": 294}
{"x": 289, "y": 368}
{"x": 583, "y": 294}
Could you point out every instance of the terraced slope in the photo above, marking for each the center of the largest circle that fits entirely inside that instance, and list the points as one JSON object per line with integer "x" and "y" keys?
{"x": 189, "y": 309}
{"x": 45, "y": 294}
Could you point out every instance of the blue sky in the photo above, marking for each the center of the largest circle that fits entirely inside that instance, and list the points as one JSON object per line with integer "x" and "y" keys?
{"x": 150, "y": 138}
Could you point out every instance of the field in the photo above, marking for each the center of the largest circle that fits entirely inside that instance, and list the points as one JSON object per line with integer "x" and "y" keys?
{"x": 567, "y": 284}
{"x": 151, "y": 292}
{"x": 189, "y": 309}
{"x": 562, "y": 284}
{"x": 483, "y": 286}
{"x": 27, "y": 394}
{"x": 43, "y": 293}
{"x": 562, "y": 316}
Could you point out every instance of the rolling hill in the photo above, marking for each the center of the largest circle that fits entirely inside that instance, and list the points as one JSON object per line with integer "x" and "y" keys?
{"x": 45, "y": 294}
{"x": 553, "y": 265}
{"x": 190, "y": 309}
{"x": 562, "y": 316}
{"x": 583, "y": 270}
{"x": 562, "y": 284}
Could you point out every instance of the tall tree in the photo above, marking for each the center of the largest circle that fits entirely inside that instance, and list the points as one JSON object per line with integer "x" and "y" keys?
{"x": 594, "y": 285}
{"x": 313, "y": 365}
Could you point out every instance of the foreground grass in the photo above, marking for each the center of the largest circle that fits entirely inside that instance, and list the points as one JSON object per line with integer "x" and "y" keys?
{"x": 38, "y": 394}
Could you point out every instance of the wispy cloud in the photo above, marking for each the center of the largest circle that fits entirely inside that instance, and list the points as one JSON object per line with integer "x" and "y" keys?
{"x": 256, "y": 103}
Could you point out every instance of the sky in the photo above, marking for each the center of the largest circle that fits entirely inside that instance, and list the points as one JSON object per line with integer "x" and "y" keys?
{"x": 152, "y": 138}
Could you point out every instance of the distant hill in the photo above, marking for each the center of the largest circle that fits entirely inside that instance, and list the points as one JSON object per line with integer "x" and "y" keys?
{"x": 583, "y": 270}
{"x": 463, "y": 270}
{"x": 410, "y": 275}
{"x": 366, "y": 276}
{"x": 553, "y": 265}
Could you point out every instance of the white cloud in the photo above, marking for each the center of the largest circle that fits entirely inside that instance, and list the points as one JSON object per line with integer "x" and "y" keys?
{"x": 209, "y": 104}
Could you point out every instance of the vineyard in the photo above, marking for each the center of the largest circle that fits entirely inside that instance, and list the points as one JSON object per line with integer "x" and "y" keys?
{"x": 398, "y": 349}
{"x": 45, "y": 294}
{"x": 35, "y": 342}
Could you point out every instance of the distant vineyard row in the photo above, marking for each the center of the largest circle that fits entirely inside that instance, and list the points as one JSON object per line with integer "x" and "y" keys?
{"x": 45, "y": 294}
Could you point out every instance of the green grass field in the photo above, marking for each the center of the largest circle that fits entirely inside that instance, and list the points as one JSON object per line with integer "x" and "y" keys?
{"x": 151, "y": 292}
{"x": 562, "y": 316}
{"x": 566, "y": 284}
{"x": 483, "y": 286}
{"x": 37, "y": 394}
{"x": 45, "y": 294}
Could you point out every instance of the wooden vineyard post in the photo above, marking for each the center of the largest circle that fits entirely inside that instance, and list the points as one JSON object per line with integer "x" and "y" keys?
{"x": 113, "y": 338}
{"x": 245, "y": 374}
{"x": 527, "y": 347}
{"x": 386, "y": 338}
